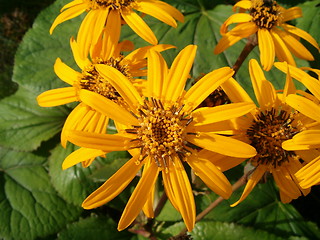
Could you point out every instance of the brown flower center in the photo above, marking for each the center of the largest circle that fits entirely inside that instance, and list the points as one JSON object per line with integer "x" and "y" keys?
{"x": 265, "y": 13}
{"x": 161, "y": 133}
{"x": 113, "y": 4}
{"x": 267, "y": 133}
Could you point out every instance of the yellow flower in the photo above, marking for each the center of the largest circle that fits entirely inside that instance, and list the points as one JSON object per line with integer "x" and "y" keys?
{"x": 109, "y": 14}
{"x": 163, "y": 130}
{"x": 308, "y": 140}
{"x": 267, "y": 20}
{"x": 266, "y": 128}
{"x": 83, "y": 117}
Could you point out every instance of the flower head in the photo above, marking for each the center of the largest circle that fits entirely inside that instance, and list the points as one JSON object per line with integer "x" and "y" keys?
{"x": 307, "y": 140}
{"x": 267, "y": 128}
{"x": 267, "y": 20}
{"x": 163, "y": 131}
{"x": 110, "y": 14}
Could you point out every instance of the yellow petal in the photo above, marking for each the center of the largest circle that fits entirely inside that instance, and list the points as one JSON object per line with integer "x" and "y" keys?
{"x": 183, "y": 192}
{"x": 305, "y": 106}
{"x": 234, "y": 91}
{"x": 81, "y": 155}
{"x": 178, "y": 73}
{"x": 138, "y": 197}
{"x": 208, "y": 115}
{"x": 291, "y": 13}
{"x": 211, "y": 176}
{"x": 300, "y": 33}
{"x": 226, "y": 41}
{"x": 235, "y": 18}
{"x": 242, "y": 4}
{"x": 81, "y": 61}
{"x": 107, "y": 107}
{"x": 68, "y": 14}
{"x": 289, "y": 87}
{"x": 71, "y": 4}
{"x": 244, "y": 30}
{"x": 57, "y": 97}
{"x": 252, "y": 182}
{"x": 157, "y": 72}
{"x": 169, "y": 190}
{"x": 205, "y": 86}
{"x": 114, "y": 185}
{"x": 148, "y": 206}
{"x": 153, "y": 10}
{"x": 290, "y": 145}
{"x": 309, "y": 175}
{"x": 66, "y": 73}
{"x": 221, "y": 144}
{"x": 136, "y": 23}
{"x": 121, "y": 84}
{"x": 307, "y": 137}
{"x": 311, "y": 83}
{"x": 104, "y": 142}
{"x": 266, "y": 47}
{"x": 281, "y": 50}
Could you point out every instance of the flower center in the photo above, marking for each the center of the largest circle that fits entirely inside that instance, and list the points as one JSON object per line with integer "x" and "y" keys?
{"x": 161, "y": 133}
{"x": 265, "y": 13}
{"x": 92, "y": 81}
{"x": 268, "y": 132}
{"x": 113, "y": 4}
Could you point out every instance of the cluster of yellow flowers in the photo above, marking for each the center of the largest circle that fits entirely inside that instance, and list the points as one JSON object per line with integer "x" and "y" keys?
{"x": 164, "y": 127}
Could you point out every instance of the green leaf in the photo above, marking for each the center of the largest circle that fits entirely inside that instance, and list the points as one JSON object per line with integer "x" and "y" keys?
{"x": 263, "y": 210}
{"x": 24, "y": 125}
{"x": 73, "y": 183}
{"x": 94, "y": 228}
{"x": 30, "y": 207}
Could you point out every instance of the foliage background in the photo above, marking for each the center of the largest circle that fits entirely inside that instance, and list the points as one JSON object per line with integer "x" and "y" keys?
{"x": 40, "y": 201}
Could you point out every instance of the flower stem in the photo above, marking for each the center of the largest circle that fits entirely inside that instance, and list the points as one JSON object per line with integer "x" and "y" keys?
{"x": 251, "y": 43}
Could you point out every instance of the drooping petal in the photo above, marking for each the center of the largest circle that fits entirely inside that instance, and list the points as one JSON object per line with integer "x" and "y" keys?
{"x": 291, "y": 145}
{"x": 68, "y": 14}
{"x": 136, "y": 23}
{"x": 169, "y": 190}
{"x": 81, "y": 155}
{"x": 291, "y": 13}
{"x": 307, "y": 137}
{"x": 226, "y": 41}
{"x": 178, "y": 73}
{"x": 221, "y": 144}
{"x": 245, "y": 4}
{"x": 66, "y": 73}
{"x": 204, "y": 116}
{"x": 300, "y": 33}
{"x": 252, "y": 182}
{"x": 148, "y": 206}
{"x": 263, "y": 89}
{"x": 153, "y": 10}
{"x": 244, "y": 30}
{"x": 211, "y": 176}
{"x": 281, "y": 50}
{"x": 104, "y": 142}
{"x": 107, "y": 107}
{"x": 114, "y": 185}
{"x": 157, "y": 72}
{"x": 138, "y": 197}
{"x": 235, "y": 18}
{"x": 309, "y": 175}
{"x": 235, "y": 92}
{"x": 266, "y": 47}
{"x": 57, "y": 97}
{"x": 289, "y": 87}
{"x": 121, "y": 84}
{"x": 205, "y": 86}
{"x": 305, "y": 106}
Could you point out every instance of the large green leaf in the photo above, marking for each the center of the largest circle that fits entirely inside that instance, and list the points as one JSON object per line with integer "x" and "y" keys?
{"x": 94, "y": 228}
{"x": 30, "y": 207}
{"x": 24, "y": 125}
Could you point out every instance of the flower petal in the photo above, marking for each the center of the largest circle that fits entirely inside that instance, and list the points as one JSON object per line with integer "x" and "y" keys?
{"x": 235, "y": 18}
{"x": 266, "y": 47}
{"x": 178, "y": 73}
{"x": 136, "y": 23}
{"x": 66, "y": 73}
{"x": 234, "y": 91}
{"x": 252, "y": 182}
{"x": 104, "y": 142}
{"x": 309, "y": 175}
{"x": 226, "y": 41}
{"x": 114, "y": 185}
{"x": 208, "y": 115}
{"x": 57, "y": 97}
{"x": 107, "y": 107}
{"x": 205, "y": 86}
{"x": 281, "y": 50}
{"x": 81, "y": 155}
{"x": 291, "y": 13}
{"x": 221, "y": 144}
{"x": 245, "y": 4}
{"x": 211, "y": 176}
{"x": 138, "y": 197}
{"x": 68, "y": 14}
{"x": 81, "y": 61}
